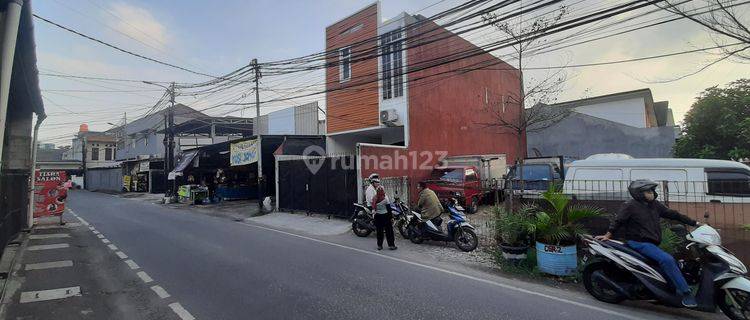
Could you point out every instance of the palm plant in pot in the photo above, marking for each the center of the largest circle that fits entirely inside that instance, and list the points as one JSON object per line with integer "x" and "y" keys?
{"x": 513, "y": 231}
{"x": 557, "y": 227}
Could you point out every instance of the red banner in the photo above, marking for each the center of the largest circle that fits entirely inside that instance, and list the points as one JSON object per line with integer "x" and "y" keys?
{"x": 49, "y": 193}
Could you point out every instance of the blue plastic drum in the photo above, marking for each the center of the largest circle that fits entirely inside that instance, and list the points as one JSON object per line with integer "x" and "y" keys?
{"x": 556, "y": 260}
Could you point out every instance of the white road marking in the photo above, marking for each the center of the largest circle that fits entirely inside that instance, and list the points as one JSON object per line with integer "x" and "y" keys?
{"x": 121, "y": 255}
{"x": 112, "y": 247}
{"x": 49, "y": 265}
{"x": 100, "y": 236}
{"x": 181, "y": 312}
{"x": 132, "y": 264}
{"x": 160, "y": 292}
{"x": 105, "y": 241}
{"x": 453, "y": 273}
{"x": 48, "y": 236}
{"x": 82, "y": 221}
{"x": 92, "y": 228}
{"x": 94, "y": 231}
{"x": 47, "y": 246}
{"x": 144, "y": 276}
{"x": 53, "y": 294}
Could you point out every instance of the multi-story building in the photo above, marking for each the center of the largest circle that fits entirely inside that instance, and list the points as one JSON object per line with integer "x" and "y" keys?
{"x": 628, "y": 122}
{"x": 409, "y": 87}
{"x": 93, "y": 149}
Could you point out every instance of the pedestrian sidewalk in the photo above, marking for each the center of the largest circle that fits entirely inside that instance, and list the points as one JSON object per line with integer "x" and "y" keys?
{"x": 71, "y": 271}
{"x": 315, "y": 225}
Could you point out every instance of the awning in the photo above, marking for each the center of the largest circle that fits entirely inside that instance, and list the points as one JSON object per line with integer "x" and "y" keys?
{"x": 185, "y": 159}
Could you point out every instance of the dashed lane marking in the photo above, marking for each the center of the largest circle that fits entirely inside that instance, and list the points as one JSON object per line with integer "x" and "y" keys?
{"x": 94, "y": 231}
{"x": 82, "y": 220}
{"x": 112, "y": 247}
{"x": 106, "y": 241}
{"x": 160, "y": 292}
{"x": 121, "y": 255}
{"x": 47, "y": 246}
{"x": 144, "y": 276}
{"x": 181, "y": 312}
{"x": 100, "y": 236}
{"x": 49, "y": 265}
{"x": 132, "y": 264}
{"x": 48, "y": 236}
{"x": 52, "y": 294}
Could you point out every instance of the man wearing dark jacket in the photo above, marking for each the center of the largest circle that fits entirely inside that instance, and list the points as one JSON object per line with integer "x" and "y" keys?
{"x": 637, "y": 222}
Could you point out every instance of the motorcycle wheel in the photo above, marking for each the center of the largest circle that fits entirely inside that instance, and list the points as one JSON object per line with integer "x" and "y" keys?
{"x": 473, "y": 207}
{"x": 466, "y": 239}
{"x": 595, "y": 288}
{"x": 402, "y": 227}
{"x": 414, "y": 235}
{"x": 729, "y": 309}
{"x": 357, "y": 227}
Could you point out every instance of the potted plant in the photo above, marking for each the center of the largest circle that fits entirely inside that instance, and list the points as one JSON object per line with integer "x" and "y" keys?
{"x": 513, "y": 230}
{"x": 557, "y": 226}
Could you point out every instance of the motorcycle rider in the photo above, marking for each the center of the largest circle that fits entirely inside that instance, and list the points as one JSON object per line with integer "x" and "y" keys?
{"x": 429, "y": 205}
{"x": 637, "y": 222}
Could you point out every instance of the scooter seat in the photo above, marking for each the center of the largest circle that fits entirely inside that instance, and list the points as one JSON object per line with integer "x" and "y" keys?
{"x": 624, "y": 247}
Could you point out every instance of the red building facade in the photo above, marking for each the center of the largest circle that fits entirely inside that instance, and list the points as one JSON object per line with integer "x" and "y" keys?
{"x": 405, "y": 92}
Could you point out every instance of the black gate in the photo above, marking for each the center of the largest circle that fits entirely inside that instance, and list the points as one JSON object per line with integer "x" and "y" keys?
{"x": 14, "y": 198}
{"x": 330, "y": 190}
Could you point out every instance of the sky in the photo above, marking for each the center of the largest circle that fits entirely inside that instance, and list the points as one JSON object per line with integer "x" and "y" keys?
{"x": 218, "y": 37}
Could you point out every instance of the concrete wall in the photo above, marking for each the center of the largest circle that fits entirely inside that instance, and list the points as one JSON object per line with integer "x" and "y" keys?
{"x": 581, "y": 135}
{"x": 17, "y": 149}
{"x": 630, "y": 112}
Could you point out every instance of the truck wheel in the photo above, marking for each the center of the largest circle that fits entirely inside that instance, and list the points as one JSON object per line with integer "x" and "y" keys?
{"x": 474, "y": 206}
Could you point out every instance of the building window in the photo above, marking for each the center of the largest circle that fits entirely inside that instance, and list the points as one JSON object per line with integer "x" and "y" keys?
{"x": 345, "y": 64}
{"x": 108, "y": 154}
{"x": 391, "y": 50}
{"x": 94, "y": 154}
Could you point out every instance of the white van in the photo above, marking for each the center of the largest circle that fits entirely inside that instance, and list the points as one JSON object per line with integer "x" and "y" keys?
{"x": 681, "y": 180}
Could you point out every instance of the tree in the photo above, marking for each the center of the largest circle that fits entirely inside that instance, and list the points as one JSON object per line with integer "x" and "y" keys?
{"x": 525, "y": 36}
{"x": 718, "y": 124}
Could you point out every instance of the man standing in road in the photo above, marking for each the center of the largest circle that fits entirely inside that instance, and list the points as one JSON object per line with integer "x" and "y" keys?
{"x": 637, "y": 223}
{"x": 429, "y": 205}
{"x": 383, "y": 223}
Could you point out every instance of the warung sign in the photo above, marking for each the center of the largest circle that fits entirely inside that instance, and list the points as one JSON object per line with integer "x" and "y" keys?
{"x": 242, "y": 153}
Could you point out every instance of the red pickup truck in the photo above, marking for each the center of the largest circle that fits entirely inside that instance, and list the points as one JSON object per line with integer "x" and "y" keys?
{"x": 472, "y": 176}
{"x": 464, "y": 180}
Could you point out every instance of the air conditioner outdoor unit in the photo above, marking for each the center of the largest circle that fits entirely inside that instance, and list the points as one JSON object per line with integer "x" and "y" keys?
{"x": 389, "y": 117}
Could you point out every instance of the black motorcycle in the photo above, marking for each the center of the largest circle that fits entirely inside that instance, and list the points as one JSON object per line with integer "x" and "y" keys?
{"x": 363, "y": 221}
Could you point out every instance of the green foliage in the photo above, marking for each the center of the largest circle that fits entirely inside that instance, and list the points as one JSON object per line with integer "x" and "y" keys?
{"x": 718, "y": 124}
{"x": 670, "y": 241}
{"x": 561, "y": 223}
{"x": 513, "y": 228}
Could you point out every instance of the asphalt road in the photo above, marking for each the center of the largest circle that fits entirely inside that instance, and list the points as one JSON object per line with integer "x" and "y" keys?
{"x": 221, "y": 269}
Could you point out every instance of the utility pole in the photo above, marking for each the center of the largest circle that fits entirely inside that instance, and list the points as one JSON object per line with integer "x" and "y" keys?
{"x": 171, "y": 139}
{"x": 256, "y": 129}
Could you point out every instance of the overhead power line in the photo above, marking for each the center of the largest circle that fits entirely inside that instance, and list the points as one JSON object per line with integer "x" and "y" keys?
{"x": 121, "y": 49}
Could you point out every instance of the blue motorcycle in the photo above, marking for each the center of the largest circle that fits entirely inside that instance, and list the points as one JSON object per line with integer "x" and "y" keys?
{"x": 458, "y": 230}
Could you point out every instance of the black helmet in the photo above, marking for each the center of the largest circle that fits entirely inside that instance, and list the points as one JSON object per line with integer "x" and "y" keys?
{"x": 637, "y": 187}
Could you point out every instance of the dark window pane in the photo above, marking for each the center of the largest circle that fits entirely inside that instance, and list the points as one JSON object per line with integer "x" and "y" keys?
{"x": 108, "y": 154}
{"x": 728, "y": 183}
{"x": 94, "y": 153}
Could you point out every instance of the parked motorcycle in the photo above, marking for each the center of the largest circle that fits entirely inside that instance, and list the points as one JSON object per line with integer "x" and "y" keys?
{"x": 614, "y": 272}
{"x": 363, "y": 221}
{"x": 401, "y": 213}
{"x": 458, "y": 230}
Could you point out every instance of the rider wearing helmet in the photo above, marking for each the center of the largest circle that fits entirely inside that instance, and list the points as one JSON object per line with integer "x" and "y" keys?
{"x": 370, "y": 190}
{"x": 637, "y": 223}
